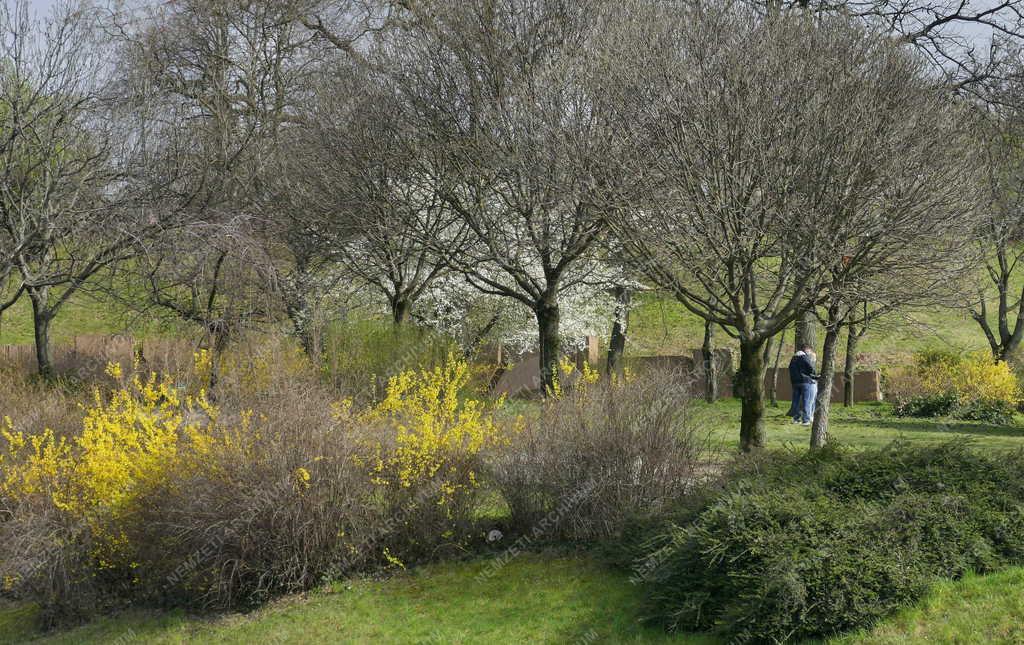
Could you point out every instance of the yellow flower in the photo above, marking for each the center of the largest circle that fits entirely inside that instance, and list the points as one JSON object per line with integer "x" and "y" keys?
{"x": 132, "y": 439}
{"x": 302, "y": 477}
{"x": 437, "y": 431}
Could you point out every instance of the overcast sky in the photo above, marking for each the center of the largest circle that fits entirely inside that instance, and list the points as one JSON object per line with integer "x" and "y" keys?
{"x": 41, "y": 5}
{"x": 974, "y": 31}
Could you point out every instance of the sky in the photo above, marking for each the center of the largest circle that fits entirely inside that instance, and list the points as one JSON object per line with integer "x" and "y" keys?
{"x": 41, "y": 5}
{"x": 980, "y": 34}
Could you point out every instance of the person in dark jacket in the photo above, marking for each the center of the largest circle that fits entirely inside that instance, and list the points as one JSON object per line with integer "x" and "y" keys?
{"x": 805, "y": 385}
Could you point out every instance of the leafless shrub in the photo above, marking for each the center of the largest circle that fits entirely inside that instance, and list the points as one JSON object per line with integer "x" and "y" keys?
{"x": 619, "y": 452}
{"x": 46, "y": 558}
{"x": 43, "y": 555}
{"x": 33, "y": 405}
{"x": 276, "y": 515}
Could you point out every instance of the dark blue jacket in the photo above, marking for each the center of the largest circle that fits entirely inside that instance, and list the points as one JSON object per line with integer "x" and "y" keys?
{"x": 801, "y": 370}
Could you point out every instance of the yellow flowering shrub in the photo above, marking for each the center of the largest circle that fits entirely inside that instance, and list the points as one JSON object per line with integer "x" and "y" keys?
{"x": 973, "y": 378}
{"x": 585, "y": 377}
{"x": 141, "y": 434}
{"x": 970, "y": 387}
{"x": 978, "y": 378}
{"x": 125, "y": 496}
{"x": 202, "y": 367}
{"x": 435, "y": 432}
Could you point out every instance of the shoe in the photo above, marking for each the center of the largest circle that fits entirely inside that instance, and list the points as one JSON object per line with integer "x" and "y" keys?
{"x": 805, "y": 423}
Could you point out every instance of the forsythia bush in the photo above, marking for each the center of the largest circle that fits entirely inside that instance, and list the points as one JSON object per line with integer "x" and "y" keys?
{"x": 152, "y": 494}
{"x": 436, "y": 434}
{"x": 972, "y": 387}
{"x": 578, "y": 380}
{"x": 136, "y": 438}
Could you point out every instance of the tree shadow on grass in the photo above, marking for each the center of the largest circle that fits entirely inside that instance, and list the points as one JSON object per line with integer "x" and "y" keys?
{"x": 935, "y": 426}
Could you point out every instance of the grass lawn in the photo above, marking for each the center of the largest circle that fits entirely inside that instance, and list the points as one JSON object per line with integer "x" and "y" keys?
{"x": 977, "y": 609}
{"x": 861, "y": 426}
{"x": 658, "y": 325}
{"x": 533, "y": 599}
{"x": 83, "y": 315}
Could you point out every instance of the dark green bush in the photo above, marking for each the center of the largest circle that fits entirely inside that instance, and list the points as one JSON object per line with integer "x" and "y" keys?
{"x": 808, "y": 546}
{"x": 947, "y": 404}
{"x": 943, "y": 404}
{"x": 988, "y": 410}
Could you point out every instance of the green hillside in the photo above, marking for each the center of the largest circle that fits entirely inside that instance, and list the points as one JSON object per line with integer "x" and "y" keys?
{"x": 659, "y": 325}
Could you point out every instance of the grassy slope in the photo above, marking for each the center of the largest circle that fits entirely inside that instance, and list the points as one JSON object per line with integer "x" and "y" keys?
{"x": 660, "y": 325}
{"x": 83, "y": 315}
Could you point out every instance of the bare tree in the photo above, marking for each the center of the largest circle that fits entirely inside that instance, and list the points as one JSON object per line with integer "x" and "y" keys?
{"x": 215, "y": 277}
{"x": 866, "y": 315}
{"x": 784, "y": 145}
{"x": 916, "y": 257}
{"x": 509, "y": 97}
{"x": 360, "y": 176}
{"x": 1001, "y": 229}
{"x": 64, "y": 195}
{"x": 967, "y": 41}
{"x": 218, "y": 83}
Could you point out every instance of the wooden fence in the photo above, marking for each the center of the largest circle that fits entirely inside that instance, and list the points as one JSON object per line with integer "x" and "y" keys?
{"x": 88, "y": 355}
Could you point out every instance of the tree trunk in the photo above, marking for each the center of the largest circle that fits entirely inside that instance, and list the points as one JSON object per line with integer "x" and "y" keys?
{"x": 806, "y": 331}
{"x": 773, "y": 387}
{"x": 827, "y": 369}
{"x": 304, "y": 327}
{"x": 617, "y": 342}
{"x": 549, "y": 345}
{"x": 310, "y": 337}
{"x": 710, "y": 366}
{"x": 751, "y": 385}
{"x": 41, "y": 319}
{"x": 218, "y": 334}
{"x": 850, "y": 366}
{"x": 401, "y": 308}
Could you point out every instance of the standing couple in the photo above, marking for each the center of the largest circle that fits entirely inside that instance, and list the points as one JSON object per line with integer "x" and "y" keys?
{"x": 805, "y": 385}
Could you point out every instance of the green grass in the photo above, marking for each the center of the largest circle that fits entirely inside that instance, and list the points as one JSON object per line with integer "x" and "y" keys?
{"x": 658, "y": 325}
{"x": 661, "y": 325}
{"x": 534, "y": 598}
{"x": 977, "y": 609}
{"x": 83, "y": 315}
{"x": 868, "y": 425}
